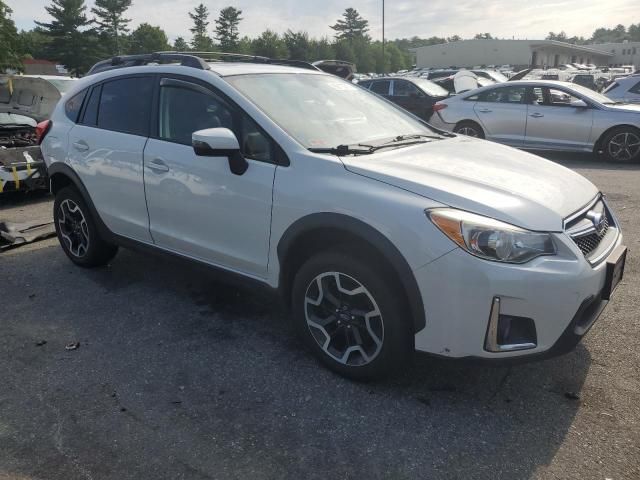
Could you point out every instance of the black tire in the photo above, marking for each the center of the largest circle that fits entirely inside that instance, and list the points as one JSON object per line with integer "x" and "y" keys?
{"x": 77, "y": 231}
{"x": 465, "y": 128}
{"x": 395, "y": 339}
{"x": 621, "y": 145}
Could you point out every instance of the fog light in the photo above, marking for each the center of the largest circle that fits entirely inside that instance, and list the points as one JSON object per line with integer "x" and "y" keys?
{"x": 508, "y": 333}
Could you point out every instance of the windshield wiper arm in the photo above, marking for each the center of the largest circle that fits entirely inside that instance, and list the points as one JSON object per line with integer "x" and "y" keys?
{"x": 343, "y": 150}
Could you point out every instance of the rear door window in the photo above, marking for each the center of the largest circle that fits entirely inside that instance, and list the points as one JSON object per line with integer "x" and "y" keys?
{"x": 402, "y": 88}
{"x": 125, "y": 105}
{"x": 381, "y": 87}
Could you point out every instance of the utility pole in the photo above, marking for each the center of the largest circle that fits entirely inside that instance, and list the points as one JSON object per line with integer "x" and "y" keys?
{"x": 384, "y": 61}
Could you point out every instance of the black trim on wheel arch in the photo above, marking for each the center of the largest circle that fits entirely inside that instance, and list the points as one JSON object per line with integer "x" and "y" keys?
{"x": 59, "y": 168}
{"x": 369, "y": 235}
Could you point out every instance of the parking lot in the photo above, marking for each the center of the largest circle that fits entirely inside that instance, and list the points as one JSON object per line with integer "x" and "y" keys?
{"x": 178, "y": 376}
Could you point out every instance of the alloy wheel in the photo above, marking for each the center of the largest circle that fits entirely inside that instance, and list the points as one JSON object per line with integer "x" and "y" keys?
{"x": 624, "y": 146}
{"x": 468, "y": 131}
{"x": 73, "y": 228}
{"x": 344, "y": 318}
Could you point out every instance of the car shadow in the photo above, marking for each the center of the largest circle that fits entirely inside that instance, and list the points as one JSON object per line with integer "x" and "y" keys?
{"x": 170, "y": 357}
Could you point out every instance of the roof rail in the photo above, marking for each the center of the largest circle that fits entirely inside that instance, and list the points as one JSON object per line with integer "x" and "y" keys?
{"x": 186, "y": 60}
{"x": 241, "y": 57}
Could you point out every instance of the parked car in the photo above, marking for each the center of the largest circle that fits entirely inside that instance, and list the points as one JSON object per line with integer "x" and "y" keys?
{"x": 339, "y": 68}
{"x": 625, "y": 89}
{"x": 584, "y": 79}
{"x": 414, "y": 94}
{"x": 545, "y": 115}
{"x": 381, "y": 234}
{"x": 25, "y": 100}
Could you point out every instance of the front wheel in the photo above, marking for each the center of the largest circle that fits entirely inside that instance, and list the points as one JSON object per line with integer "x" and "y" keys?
{"x": 622, "y": 145}
{"x": 77, "y": 231}
{"x": 351, "y": 317}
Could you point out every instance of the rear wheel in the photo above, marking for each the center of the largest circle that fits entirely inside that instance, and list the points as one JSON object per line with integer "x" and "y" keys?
{"x": 77, "y": 231}
{"x": 622, "y": 145}
{"x": 350, "y": 316}
{"x": 470, "y": 129}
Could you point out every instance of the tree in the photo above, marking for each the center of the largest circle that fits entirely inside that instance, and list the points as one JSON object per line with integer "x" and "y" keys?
{"x": 454, "y": 38}
{"x": 344, "y": 51}
{"x": 351, "y": 27}
{"x": 227, "y": 28}
{"x": 298, "y": 45}
{"x": 9, "y": 41}
{"x": 269, "y": 44}
{"x": 148, "y": 38}
{"x": 483, "y": 36}
{"x": 179, "y": 45}
{"x": 33, "y": 43}
{"x": 111, "y": 24}
{"x": 72, "y": 43}
{"x": 201, "y": 42}
{"x": 321, "y": 49}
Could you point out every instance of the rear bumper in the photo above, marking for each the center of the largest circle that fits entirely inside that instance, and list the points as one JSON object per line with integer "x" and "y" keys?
{"x": 22, "y": 168}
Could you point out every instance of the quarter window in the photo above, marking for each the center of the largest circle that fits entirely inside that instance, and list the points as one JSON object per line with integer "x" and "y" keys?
{"x": 91, "y": 110}
{"x": 635, "y": 88}
{"x": 73, "y": 105}
{"x": 125, "y": 105}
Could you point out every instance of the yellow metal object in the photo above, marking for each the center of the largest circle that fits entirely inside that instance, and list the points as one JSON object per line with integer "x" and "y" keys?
{"x": 16, "y": 179}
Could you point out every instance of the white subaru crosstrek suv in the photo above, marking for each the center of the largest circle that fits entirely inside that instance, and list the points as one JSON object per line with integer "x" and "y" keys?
{"x": 382, "y": 235}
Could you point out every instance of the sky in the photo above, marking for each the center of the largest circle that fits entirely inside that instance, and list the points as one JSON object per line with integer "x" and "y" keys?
{"x": 520, "y": 19}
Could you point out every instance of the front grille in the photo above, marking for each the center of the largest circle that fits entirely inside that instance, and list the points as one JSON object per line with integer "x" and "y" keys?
{"x": 589, "y": 228}
{"x": 589, "y": 243}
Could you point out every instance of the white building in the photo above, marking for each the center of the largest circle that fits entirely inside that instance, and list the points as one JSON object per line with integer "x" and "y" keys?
{"x": 517, "y": 53}
{"x": 626, "y": 53}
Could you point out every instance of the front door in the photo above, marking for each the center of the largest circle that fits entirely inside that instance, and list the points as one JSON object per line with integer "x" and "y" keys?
{"x": 197, "y": 206}
{"x": 555, "y": 123}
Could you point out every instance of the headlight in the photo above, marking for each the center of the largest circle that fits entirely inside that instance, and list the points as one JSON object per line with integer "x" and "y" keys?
{"x": 491, "y": 239}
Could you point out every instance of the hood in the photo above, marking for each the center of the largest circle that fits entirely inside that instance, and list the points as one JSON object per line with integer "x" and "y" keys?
{"x": 30, "y": 96}
{"x": 482, "y": 177}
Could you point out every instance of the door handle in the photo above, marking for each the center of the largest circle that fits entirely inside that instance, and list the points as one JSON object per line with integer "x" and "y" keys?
{"x": 158, "y": 165}
{"x": 484, "y": 110}
{"x": 536, "y": 115}
{"x": 81, "y": 146}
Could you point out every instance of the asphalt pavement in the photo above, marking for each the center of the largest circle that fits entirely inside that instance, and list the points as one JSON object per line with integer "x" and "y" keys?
{"x": 179, "y": 377}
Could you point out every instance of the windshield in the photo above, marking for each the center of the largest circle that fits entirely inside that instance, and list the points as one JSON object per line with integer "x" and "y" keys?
{"x": 325, "y": 111}
{"x": 430, "y": 88}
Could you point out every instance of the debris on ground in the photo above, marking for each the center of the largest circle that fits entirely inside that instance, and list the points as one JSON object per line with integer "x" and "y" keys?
{"x": 572, "y": 396}
{"x": 15, "y": 234}
{"x": 40, "y": 343}
{"x": 72, "y": 346}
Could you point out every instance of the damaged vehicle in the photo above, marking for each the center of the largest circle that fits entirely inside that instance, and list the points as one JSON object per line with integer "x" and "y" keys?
{"x": 26, "y": 102}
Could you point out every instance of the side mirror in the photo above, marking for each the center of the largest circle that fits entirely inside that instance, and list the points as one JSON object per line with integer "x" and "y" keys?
{"x": 579, "y": 104}
{"x": 220, "y": 142}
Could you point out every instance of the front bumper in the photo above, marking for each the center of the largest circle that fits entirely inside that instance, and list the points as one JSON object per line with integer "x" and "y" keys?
{"x": 561, "y": 294}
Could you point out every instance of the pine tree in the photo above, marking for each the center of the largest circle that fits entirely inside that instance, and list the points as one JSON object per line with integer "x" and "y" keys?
{"x": 200, "y": 42}
{"x": 72, "y": 42}
{"x": 148, "y": 38}
{"x": 9, "y": 46}
{"x": 179, "y": 45}
{"x": 227, "y": 28}
{"x": 298, "y": 45}
{"x": 111, "y": 24}
{"x": 352, "y": 26}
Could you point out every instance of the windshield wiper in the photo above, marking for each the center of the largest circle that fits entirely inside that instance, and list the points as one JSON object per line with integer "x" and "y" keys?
{"x": 342, "y": 150}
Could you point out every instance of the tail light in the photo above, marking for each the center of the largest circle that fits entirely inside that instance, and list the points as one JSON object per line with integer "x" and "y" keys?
{"x": 42, "y": 129}
{"x": 439, "y": 106}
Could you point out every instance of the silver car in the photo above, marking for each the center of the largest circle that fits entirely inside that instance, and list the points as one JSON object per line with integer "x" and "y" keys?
{"x": 626, "y": 89}
{"x": 545, "y": 115}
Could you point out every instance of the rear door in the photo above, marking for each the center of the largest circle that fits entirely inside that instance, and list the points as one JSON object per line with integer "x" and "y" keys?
{"x": 381, "y": 87}
{"x": 502, "y": 113}
{"x": 409, "y": 97}
{"x": 106, "y": 148}
{"x": 554, "y": 123}
{"x": 197, "y": 206}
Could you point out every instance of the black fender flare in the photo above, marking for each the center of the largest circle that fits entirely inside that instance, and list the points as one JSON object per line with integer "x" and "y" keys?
{"x": 60, "y": 168}
{"x": 369, "y": 235}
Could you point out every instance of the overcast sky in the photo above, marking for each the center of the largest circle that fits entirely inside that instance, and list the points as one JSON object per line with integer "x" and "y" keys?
{"x": 405, "y": 18}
